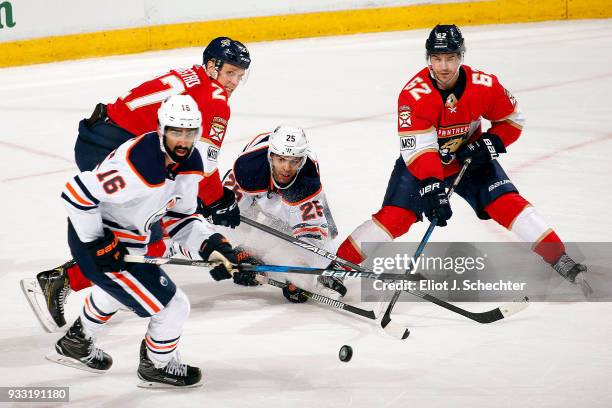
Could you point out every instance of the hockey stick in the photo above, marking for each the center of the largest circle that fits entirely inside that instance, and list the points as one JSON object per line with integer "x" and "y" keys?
{"x": 321, "y": 299}
{"x": 490, "y": 316}
{"x": 245, "y": 267}
{"x": 386, "y": 319}
{"x": 260, "y": 278}
{"x": 498, "y": 313}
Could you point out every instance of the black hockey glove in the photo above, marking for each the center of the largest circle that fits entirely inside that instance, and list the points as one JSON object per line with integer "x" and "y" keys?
{"x": 435, "y": 201}
{"x": 217, "y": 249}
{"x": 482, "y": 150}
{"x": 224, "y": 211}
{"x": 107, "y": 252}
{"x": 294, "y": 294}
{"x": 246, "y": 278}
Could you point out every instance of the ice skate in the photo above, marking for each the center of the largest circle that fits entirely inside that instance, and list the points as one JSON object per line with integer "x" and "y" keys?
{"x": 78, "y": 351}
{"x": 573, "y": 272}
{"x": 47, "y": 295}
{"x": 174, "y": 375}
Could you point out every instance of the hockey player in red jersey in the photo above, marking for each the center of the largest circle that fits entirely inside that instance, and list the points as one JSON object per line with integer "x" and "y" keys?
{"x": 225, "y": 64}
{"x": 439, "y": 127}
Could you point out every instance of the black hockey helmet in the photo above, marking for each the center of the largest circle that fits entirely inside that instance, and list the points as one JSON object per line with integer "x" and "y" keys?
{"x": 224, "y": 49}
{"x": 445, "y": 39}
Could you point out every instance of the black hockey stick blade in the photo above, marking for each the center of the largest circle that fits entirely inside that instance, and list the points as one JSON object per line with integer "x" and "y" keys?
{"x": 490, "y": 316}
{"x": 369, "y": 314}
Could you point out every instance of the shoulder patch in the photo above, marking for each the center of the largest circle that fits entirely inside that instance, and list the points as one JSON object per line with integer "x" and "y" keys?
{"x": 404, "y": 116}
{"x": 218, "y": 126}
{"x": 146, "y": 160}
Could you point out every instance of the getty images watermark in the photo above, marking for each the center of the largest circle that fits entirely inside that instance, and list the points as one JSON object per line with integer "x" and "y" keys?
{"x": 419, "y": 267}
{"x": 481, "y": 272}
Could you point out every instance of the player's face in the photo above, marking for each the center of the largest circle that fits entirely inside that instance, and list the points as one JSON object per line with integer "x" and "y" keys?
{"x": 284, "y": 168}
{"x": 229, "y": 76}
{"x": 180, "y": 140}
{"x": 445, "y": 68}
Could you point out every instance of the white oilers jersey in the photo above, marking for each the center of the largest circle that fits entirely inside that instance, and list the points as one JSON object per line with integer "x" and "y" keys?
{"x": 301, "y": 206}
{"x": 131, "y": 190}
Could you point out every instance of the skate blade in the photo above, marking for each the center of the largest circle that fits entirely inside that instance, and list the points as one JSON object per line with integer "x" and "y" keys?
{"x": 33, "y": 293}
{"x": 163, "y": 386}
{"x": 71, "y": 362}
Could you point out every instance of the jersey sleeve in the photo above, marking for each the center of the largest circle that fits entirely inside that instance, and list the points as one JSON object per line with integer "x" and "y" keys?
{"x": 210, "y": 188}
{"x": 84, "y": 193}
{"x": 418, "y": 137}
{"x": 216, "y": 117}
{"x": 507, "y": 120}
{"x": 243, "y": 198}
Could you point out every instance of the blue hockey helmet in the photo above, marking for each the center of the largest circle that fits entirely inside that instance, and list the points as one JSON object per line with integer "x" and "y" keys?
{"x": 223, "y": 50}
{"x": 445, "y": 39}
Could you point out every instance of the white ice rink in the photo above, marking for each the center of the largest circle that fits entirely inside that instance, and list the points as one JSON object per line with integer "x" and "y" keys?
{"x": 255, "y": 349}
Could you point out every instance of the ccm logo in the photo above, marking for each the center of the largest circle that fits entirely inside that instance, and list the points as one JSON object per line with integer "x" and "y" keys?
{"x": 408, "y": 143}
{"x": 212, "y": 153}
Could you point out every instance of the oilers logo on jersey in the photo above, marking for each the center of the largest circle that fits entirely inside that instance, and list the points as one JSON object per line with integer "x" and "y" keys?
{"x": 157, "y": 215}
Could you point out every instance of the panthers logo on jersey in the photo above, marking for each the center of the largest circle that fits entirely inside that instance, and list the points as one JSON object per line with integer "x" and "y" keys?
{"x": 449, "y": 140}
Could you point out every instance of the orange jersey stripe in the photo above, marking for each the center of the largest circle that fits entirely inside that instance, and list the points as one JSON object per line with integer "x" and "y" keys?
{"x": 78, "y": 197}
{"x": 120, "y": 234}
{"x": 92, "y": 311}
{"x": 310, "y": 229}
{"x": 197, "y": 173}
{"x": 170, "y": 223}
{"x": 152, "y": 345}
{"x": 131, "y": 285}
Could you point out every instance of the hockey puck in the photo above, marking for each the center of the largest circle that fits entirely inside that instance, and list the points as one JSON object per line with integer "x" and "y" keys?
{"x": 346, "y": 353}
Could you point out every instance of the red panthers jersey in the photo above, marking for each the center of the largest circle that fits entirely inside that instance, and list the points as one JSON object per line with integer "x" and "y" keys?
{"x": 431, "y": 129}
{"x": 137, "y": 113}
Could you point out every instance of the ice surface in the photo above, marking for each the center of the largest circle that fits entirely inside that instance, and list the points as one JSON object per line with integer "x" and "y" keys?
{"x": 257, "y": 350}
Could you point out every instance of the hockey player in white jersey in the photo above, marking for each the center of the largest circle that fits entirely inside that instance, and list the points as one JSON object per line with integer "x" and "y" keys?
{"x": 277, "y": 175}
{"x": 111, "y": 210}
